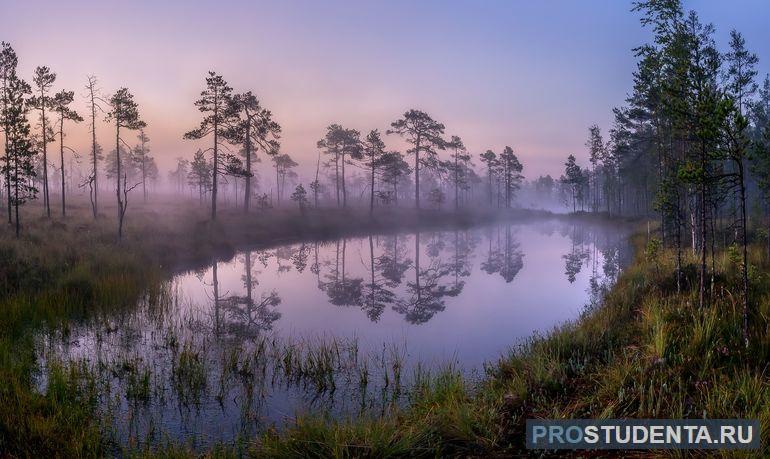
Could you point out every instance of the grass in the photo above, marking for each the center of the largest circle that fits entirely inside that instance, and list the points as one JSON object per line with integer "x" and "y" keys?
{"x": 190, "y": 375}
{"x": 646, "y": 351}
{"x": 62, "y": 271}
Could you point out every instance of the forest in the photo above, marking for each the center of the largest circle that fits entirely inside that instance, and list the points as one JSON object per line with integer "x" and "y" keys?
{"x": 677, "y": 331}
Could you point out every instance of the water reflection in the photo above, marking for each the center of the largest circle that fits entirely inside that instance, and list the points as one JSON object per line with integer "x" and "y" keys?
{"x": 342, "y": 289}
{"x": 393, "y": 263}
{"x": 334, "y": 327}
{"x": 506, "y": 258}
{"x": 244, "y": 317}
{"x": 414, "y": 281}
{"x": 377, "y": 294}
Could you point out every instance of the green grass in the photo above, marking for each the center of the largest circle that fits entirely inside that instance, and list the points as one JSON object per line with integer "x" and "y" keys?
{"x": 645, "y": 352}
{"x": 65, "y": 270}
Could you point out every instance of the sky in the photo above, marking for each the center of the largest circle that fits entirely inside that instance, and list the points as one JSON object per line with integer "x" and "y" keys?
{"x": 530, "y": 74}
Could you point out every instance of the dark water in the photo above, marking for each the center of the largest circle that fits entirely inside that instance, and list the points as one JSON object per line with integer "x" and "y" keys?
{"x": 343, "y": 328}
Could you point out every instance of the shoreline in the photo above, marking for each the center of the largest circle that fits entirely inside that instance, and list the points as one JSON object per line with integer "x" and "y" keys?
{"x": 96, "y": 278}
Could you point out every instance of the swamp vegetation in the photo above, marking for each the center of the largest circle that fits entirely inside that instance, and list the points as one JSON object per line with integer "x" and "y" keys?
{"x": 94, "y": 333}
{"x": 644, "y": 350}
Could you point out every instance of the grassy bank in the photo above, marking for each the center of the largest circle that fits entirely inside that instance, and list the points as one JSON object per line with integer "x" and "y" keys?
{"x": 648, "y": 352}
{"x": 64, "y": 270}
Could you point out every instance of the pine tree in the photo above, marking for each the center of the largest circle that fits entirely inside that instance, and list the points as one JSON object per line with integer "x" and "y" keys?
{"x": 19, "y": 154}
{"x": 425, "y": 136}
{"x": 8, "y": 63}
{"x": 458, "y": 166}
{"x": 342, "y": 145}
{"x": 300, "y": 197}
{"x": 283, "y": 168}
{"x": 144, "y": 161}
{"x": 511, "y": 172}
{"x": 220, "y": 116}
{"x": 43, "y": 80}
{"x": 255, "y": 130}
{"x": 200, "y": 174}
{"x": 374, "y": 149}
{"x": 125, "y": 114}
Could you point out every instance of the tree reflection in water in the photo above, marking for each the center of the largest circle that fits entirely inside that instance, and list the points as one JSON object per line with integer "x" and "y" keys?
{"x": 376, "y": 294}
{"x": 426, "y": 295}
{"x": 393, "y": 263}
{"x": 236, "y": 328}
{"x": 300, "y": 257}
{"x": 463, "y": 247}
{"x": 341, "y": 289}
{"x": 381, "y": 279}
{"x": 243, "y": 315}
{"x": 505, "y": 257}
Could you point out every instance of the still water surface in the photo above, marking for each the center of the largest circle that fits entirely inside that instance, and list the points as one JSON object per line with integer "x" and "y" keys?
{"x": 343, "y": 328}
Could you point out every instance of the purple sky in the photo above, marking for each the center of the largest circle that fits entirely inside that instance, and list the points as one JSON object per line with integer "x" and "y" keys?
{"x": 533, "y": 75}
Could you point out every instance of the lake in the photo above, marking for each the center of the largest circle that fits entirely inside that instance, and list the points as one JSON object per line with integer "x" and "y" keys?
{"x": 341, "y": 328}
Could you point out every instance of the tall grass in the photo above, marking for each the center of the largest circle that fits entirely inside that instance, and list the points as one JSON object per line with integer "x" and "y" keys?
{"x": 647, "y": 352}
{"x": 66, "y": 270}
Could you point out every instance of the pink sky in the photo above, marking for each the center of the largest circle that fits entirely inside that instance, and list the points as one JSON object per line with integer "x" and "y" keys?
{"x": 525, "y": 74}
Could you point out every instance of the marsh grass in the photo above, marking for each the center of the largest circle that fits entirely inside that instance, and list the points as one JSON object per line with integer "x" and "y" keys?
{"x": 647, "y": 352}
{"x": 61, "y": 272}
{"x": 160, "y": 361}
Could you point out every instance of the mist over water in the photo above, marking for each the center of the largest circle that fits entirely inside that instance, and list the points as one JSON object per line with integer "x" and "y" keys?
{"x": 342, "y": 327}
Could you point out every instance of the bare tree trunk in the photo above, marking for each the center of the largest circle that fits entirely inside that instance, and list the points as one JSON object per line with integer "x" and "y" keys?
{"x": 16, "y": 190}
{"x": 215, "y": 170}
{"x": 693, "y": 228}
{"x": 8, "y": 184}
{"x": 277, "y": 185}
{"x": 7, "y": 150}
{"x": 337, "y": 175}
{"x": 95, "y": 202}
{"x": 702, "y": 286}
{"x": 344, "y": 189}
{"x": 61, "y": 157}
{"x": 371, "y": 194}
{"x": 46, "y": 196}
{"x": 417, "y": 172}
{"x": 144, "y": 180}
{"x": 768, "y": 232}
{"x": 744, "y": 269}
{"x": 317, "y": 183}
{"x": 247, "y": 192}
{"x": 489, "y": 184}
{"x": 457, "y": 185}
{"x": 678, "y": 254}
{"x": 117, "y": 189}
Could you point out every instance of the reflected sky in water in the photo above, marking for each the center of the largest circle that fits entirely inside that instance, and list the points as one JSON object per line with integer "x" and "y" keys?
{"x": 465, "y": 294}
{"x": 338, "y": 327}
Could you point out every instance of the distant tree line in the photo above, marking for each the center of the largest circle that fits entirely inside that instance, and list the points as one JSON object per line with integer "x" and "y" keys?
{"x": 239, "y": 132}
{"x": 26, "y": 161}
